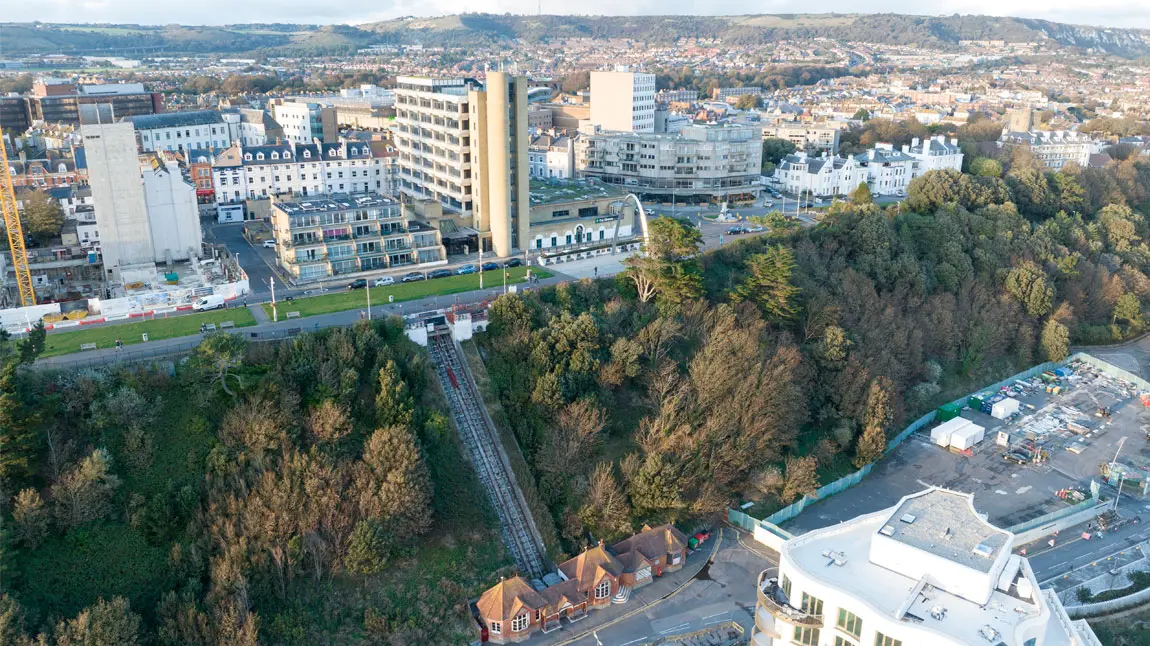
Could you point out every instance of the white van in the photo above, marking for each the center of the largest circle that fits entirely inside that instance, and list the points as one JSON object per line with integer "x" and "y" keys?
{"x": 213, "y": 302}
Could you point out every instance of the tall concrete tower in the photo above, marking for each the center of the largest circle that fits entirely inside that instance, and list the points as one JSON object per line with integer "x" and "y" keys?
{"x": 499, "y": 143}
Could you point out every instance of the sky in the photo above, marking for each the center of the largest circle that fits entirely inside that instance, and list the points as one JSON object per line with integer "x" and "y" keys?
{"x": 1112, "y": 13}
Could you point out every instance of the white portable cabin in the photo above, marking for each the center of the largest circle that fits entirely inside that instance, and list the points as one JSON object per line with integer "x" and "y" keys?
{"x": 940, "y": 434}
{"x": 1004, "y": 408}
{"x": 967, "y": 436}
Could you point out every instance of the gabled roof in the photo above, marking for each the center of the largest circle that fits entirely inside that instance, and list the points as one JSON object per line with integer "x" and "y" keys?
{"x": 651, "y": 543}
{"x": 505, "y": 599}
{"x": 589, "y": 567}
{"x": 562, "y": 594}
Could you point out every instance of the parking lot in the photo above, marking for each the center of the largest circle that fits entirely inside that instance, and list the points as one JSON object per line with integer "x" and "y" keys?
{"x": 1066, "y": 426}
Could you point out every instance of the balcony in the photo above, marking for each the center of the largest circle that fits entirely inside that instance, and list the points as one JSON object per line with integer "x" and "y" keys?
{"x": 774, "y": 601}
{"x": 307, "y": 260}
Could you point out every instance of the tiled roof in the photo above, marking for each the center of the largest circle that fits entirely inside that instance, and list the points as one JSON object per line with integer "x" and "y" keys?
{"x": 504, "y": 600}
{"x": 651, "y": 543}
{"x": 589, "y": 567}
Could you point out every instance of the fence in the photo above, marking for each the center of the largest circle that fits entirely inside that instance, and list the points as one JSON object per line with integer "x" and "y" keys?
{"x": 1100, "y": 608}
{"x": 741, "y": 519}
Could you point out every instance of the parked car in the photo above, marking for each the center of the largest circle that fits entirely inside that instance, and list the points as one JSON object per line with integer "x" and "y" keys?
{"x": 489, "y": 266}
{"x": 358, "y": 283}
{"x": 412, "y": 277}
{"x": 466, "y": 269}
{"x": 734, "y": 231}
{"x": 439, "y": 273}
{"x": 269, "y": 244}
{"x": 385, "y": 281}
{"x": 513, "y": 262}
{"x": 756, "y": 229}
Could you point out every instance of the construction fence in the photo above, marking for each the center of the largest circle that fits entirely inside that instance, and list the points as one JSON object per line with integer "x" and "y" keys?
{"x": 749, "y": 523}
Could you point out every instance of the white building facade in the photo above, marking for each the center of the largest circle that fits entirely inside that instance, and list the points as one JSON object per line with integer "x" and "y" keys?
{"x": 182, "y": 131}
{"x": 173, "y": 213}
{"x": 258, "y": 172}
{"x": 929, "y": 571}
{"x": 303, "y": 123}
{"x": 551, "y": 157}
{"x": 934, "y": 153}
{"x": 432, "y": 136}
{"x": 888, "y": 171}
{"x": 822, "y": 176}
{"x": 1054, "y": 149}
{"x": 623, "y": 101}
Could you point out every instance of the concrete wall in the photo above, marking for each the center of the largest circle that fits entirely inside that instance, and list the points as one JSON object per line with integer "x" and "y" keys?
{"x": 1031, "y": 535}
{"x": 118, "y": 195}
{"x": 173, "y": 214}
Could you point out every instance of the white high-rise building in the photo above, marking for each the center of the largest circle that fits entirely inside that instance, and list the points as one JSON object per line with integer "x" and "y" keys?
{"x": 928, "y": 571}
{"x": 303, "y": 123}
{"x": 173, "y": 213}
{"x": 623, "y": 101}
{"x": 118, "y": 196}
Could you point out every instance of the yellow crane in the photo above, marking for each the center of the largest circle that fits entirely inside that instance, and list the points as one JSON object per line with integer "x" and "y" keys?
{"x": 15, "y": 232}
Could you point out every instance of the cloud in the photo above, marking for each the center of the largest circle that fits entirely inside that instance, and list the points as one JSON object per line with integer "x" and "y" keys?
{"x": 1114, "y": 13}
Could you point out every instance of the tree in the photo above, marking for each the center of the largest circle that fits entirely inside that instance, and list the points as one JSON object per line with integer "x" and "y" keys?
{"x": 1055, "y": 340}
{"x": 607, "y": 512}
{"x": 106, "y": 623}
{"x": 42, "y": 216}
{"x": 861, "y": 115}
{"x": 879, "y": 415}
{"x": 18, "y": 423}
{"x": 368, "y": 548}
{"x": 861, "y": 196}
{"x": 393, "y": 406}
{"x": 748, "y": 101}
{"x": 1119, "y": 226}
{"x": 1028, "y": 285}
{"x": 30, "y": 517}
{"x": 1128, "y": 309}
{"x": 986, "y": 167}
{"x": 393, "y": 484}
{"x": 669, "y": 266}
{"x": 775, "y": 149}
{"x": 768, "y": 283}
{"x": 85, "y": 493}
{"x": 221, "y": 353}
{"x": 801, "y": 477}
{"x": 329, "y": 422}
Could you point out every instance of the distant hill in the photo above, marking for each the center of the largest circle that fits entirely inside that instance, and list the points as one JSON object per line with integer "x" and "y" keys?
{"x": 480, "y": 29}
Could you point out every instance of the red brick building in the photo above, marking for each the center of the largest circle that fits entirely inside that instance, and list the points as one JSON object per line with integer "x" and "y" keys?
{"x": 513, "y": 610}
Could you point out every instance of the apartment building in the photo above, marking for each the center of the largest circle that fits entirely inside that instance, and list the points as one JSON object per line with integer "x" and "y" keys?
{"x": 623, "y": 101}
{"x": 820, "y": 176}
{"x": 304, "y": 122}
{"x": 807, "y": 137}
{"x": 324, "y": 236}
{"x": 726, "y": 94}
{"x": 1054, "y": 149}
{"x": 14, "y": 116}
{"x": 701, "y": 163}
{"x": 551, "y": 156}
{"x": 930, "y": 570}
{"x": 676, "y": 96}
{"x": 183, "y": 131}
{"x": 257, "y": 127}
{"x": 888, "y": 171}
{"x": 255, "y": 173}
{"x": 56, "y": 101}
{"x": 934, "y": 153}
{"x": 432, "y": 134}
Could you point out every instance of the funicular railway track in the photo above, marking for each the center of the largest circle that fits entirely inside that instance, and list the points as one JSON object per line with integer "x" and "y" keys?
{"x": 481, "y": 440}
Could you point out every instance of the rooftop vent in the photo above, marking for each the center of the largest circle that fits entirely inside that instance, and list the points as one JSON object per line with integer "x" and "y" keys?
{"x": 983, "y": 550}
{"x": 947, "y": 534}
{"x": 908, "y": 518}
{"x": 836, "y": 558}
{"x": 938, "y": 613}
{"x": 886, "y": 530}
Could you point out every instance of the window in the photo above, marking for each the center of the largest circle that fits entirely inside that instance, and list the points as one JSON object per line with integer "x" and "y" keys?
{"x": 496, "y": 627}
{"x": 603, "y": 589}
{"x": 806, "y": 635}
{"x": 520, "y": 623}
{"x": 562, "y": 213}
{"x": 812, "y": 605}
{"x": 849, "y": 623}
{"x": 589, "y": 212}
{"x": 882, "y": 640}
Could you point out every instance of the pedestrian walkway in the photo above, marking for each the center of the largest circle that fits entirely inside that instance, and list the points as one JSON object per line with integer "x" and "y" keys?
{"x": 259, "y": 314}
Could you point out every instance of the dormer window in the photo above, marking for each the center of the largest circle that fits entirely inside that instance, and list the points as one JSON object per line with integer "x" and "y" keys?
{"x": 307, "y": 154}
{"x": 247, "y": 156}
{"x": 275, "y": 155}
{"x": 259, "y": 156}
{"x": 62, "y": 168}
{"x": 287, "y": 154}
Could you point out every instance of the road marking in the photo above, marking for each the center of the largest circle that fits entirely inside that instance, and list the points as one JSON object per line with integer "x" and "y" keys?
{"x": 1022, "y": 490}
{"x": 718, "y": 614}
{"x": 674, "y": 628}
{"x": 633, "y": 641}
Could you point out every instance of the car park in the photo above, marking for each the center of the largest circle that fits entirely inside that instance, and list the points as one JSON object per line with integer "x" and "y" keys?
{"x": 384, "y": 281}
{"x": 466, "y": 269}
{"x": 440, "y": 273}
{"x": 489, "y": 266}
{"x": 412, "y": 277}
{"x": 358, "y": 283}
{"x": 513, "y": 262}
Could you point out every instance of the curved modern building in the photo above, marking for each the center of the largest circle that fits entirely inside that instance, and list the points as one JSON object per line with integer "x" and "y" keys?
{"x": 930, "y": 571}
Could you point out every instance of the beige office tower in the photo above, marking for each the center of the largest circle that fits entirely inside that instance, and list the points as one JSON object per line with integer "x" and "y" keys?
{"x": 499, "y": 143}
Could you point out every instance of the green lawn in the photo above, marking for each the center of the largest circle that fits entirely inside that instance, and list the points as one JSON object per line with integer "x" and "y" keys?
{"x": 353, "y": 299}
{"x": 105, "y": 336}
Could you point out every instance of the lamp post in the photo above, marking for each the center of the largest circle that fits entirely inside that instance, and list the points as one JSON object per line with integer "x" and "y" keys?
{"x": 272, "y": 282}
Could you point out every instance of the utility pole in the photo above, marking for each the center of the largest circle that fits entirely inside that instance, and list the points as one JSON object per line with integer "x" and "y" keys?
{"x": 480, "y": 265}
{"x": 275, "y": 315}
{"x": 505, "y": 272}
{"x": 368, "y": 290}
{"x": 1114, "y": 463}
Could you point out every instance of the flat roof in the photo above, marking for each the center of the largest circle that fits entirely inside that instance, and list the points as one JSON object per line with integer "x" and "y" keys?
{"x": 944, "y": 523}
{"x": 554, "y": 192}
{"x": 175, "y": 119}
{"x": 336, "y": 202}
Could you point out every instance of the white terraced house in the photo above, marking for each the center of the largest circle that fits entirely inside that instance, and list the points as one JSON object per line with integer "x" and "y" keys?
{"x": 930, "y": 571}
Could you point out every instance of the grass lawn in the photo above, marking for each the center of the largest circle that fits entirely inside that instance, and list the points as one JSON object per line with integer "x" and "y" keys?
{"x": 353, "y": 299}
{"x": 160, "y": 328}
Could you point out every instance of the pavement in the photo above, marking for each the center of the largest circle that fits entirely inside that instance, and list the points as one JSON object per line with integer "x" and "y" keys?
{"x": 717, "y": 586}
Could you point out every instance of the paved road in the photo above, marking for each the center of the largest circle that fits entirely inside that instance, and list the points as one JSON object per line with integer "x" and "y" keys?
{"x": 1071, "y": 551}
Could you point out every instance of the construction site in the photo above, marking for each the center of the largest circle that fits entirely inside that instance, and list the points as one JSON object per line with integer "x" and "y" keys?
{"x": 1027, "y": 450}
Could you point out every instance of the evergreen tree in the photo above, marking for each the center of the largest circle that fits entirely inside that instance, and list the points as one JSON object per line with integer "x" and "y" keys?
{"x": 768, "y": 283}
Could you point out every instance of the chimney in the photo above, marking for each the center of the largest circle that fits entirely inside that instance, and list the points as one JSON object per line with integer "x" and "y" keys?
{"x": 954, "y": 141}
{"x": 914, "y": 143}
